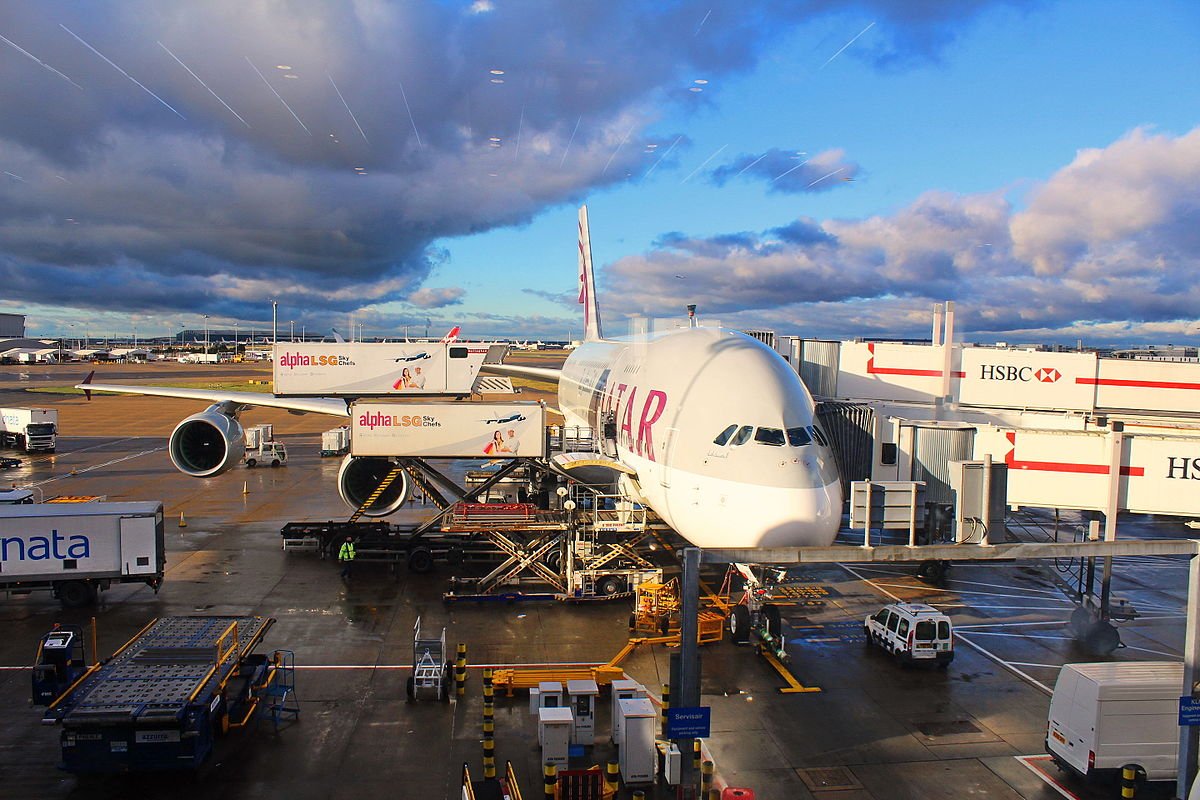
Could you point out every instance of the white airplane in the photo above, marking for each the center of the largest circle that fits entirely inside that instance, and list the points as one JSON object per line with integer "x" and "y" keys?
{"x": 708, "y": 427}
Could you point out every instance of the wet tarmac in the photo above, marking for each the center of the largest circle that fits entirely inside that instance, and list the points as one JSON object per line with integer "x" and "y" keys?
{"x": 875, "y": 730}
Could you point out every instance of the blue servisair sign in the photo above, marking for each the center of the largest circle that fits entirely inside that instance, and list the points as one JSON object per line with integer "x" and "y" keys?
{"x": 1189, "y": 710}
{"x": 689, "y": 723}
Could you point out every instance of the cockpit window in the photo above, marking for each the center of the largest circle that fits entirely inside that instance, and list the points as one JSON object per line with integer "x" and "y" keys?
{"x": 820, "y": 437}
{"x": 771, "y": 436}
{"x": 798, "y": 437}
{"x": 743, "y": 435}
{"x": 724, "y": 435}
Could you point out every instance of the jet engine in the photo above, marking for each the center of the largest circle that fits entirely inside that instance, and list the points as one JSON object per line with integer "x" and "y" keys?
{"x": 207, "y": 443}
{"x": 358, "y": 478}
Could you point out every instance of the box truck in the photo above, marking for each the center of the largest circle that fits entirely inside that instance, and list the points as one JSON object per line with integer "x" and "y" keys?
{"x": 77, "y": 550}
{"x": 1106, "y": 715}
{"x": 29, "y": 429}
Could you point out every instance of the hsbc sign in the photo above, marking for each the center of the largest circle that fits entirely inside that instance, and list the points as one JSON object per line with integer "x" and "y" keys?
{"x": 1009, "y": 372}
{"x": 1027, "y": 379}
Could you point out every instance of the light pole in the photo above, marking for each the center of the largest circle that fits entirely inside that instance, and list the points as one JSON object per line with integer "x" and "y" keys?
{"x": 292, "y": 323}
{"x": 235, "y": 339}
{"x": 274, "y": 322}
{"x": 206, "y": 337}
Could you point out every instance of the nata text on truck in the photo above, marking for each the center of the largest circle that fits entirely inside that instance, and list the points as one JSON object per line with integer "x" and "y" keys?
{"x": 77, "y": 550}
{"x": 29, "y": 429}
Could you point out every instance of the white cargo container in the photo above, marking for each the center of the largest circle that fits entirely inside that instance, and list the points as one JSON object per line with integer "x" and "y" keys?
{"x": 448, "y": 429}
{"x": 1106, "y": 715}
{"x": 29, "y": 429}
{"x": 357, "y": 369}
{"x": 335, "y": 442}
{"x": 77, "y": 550}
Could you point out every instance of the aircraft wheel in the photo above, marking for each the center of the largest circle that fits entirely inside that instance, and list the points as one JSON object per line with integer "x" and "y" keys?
{"x": 739, "y": 624}
{"x": 274, "y": 462}
{"x": 609, "y": 585}
{"x": 1102, "y": 639}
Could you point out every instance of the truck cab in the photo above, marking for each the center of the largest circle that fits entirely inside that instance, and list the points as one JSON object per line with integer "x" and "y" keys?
{"x": 272, "y": 452}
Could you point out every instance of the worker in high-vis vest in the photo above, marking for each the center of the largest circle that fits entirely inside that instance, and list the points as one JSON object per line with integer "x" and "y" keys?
{"x": 346, "y": 557}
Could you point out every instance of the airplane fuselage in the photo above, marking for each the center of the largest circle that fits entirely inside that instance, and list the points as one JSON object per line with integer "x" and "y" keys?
{"x": 670, "y": 397}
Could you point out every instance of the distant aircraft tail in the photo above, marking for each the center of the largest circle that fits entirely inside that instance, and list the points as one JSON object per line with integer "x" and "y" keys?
{"x": 587, "y": 282}
{"x": 452, "y": 336}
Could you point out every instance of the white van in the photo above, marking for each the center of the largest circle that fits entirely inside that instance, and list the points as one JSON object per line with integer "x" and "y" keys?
{"x": 913, "y": 632}
{"x": 1106, "y": 715}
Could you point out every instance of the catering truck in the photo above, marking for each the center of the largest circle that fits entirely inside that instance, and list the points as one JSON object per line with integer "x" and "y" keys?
{"x": 29, "y": 429}
{"x": 77, "y": 550}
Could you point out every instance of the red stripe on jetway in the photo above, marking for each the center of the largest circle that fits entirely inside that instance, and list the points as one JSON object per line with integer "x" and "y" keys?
{"x": 1137, "y": 384}
{"x": 920, "y": 373}
{"x": 1062, "y": 466}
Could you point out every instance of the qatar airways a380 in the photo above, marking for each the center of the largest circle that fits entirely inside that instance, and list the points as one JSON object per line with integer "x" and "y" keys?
{"x": 709, "y": 428}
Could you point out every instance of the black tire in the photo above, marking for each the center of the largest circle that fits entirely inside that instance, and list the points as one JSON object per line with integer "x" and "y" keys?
{"x": 250, "y": 462}
{"x": 76, "y": 594}
{"x": 410, "y": 688}
{"x": 274, "y": 462}
{"x": 774, "y": 620}
{"x": 420, "y": 560}
{"x": 609, "y": 585}
{"x": 739, "y": 624}
{"x": 632, "y": 621}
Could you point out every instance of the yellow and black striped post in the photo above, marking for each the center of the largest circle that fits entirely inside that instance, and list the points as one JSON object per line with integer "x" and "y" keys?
{"x": 549, "y": 779}
{"x": 666, "y": 703}
{"x": 638, "y": 794}
{"x": 706, "y": 779}
{"x": 489, "y": 696}
{"x": 489, "y": 728}
{"x": 612, "y": 776}
{"x": 460, "y": 671}
{"x": 1129, "y": 780}
{"x": 713, "y": 794}
{"x": 489, "y": 756}
{"x": 696, "y": 754}
{"x": 489, "y": 713}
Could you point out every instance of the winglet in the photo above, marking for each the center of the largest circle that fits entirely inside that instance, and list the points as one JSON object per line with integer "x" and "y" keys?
{"x": 587, "y": 282}
{"x": 86, "y": 391}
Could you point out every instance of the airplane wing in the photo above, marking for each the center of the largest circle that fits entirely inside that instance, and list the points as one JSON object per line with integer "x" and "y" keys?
{"x": 297, "y": 405}
{"x": 517, "y": 371}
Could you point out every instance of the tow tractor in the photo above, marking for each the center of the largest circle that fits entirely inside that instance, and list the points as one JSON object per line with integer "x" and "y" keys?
{"x": 61, "y": 661}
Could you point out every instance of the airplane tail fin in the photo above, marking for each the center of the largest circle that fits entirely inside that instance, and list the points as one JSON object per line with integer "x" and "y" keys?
{"x": 87, "y": 382}
{"x": 452, "y": 336}
{"x": 587, "y": 282}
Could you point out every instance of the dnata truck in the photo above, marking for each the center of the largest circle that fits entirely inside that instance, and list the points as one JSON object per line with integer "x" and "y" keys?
{"x": 77, "y": 550}
{"x": 29, "y": 429}
{"x": 1107, "y": 715}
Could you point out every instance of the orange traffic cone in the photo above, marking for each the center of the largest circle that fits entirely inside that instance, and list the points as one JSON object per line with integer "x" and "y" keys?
{"x": 182, "y": 521}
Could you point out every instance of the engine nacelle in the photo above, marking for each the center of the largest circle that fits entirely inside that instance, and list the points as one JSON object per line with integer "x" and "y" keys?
{"x": 207, "y": 443}
{"x": 358, "y": 478}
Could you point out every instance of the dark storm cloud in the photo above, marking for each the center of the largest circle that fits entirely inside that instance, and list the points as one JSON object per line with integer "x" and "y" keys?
{"x": 325, "y": 184}
{"x": 790, "y": 171}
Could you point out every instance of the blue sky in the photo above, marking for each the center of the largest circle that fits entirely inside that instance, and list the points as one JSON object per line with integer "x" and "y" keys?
{"x": 960, "y": 124}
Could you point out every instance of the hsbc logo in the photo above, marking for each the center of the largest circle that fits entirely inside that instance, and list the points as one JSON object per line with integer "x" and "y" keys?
{"x": 1047, "y": 375}
{"x": 1003, "y": 372}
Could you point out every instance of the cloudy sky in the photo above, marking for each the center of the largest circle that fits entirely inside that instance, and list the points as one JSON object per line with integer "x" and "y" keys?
{"x": 822, "y": 167}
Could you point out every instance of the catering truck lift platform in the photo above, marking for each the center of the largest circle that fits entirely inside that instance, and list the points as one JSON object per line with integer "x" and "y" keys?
{"x": 161, "y": 701}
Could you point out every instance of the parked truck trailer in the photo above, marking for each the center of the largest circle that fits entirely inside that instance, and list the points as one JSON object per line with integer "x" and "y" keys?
{"x": 29, "y": 429}
{"x": 78, "y": 550}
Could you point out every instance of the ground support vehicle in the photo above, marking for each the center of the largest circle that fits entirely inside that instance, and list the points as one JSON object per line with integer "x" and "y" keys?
{"x": 77, "y": 550}
{"x": 29, "y": 429}
{"x": 913, "y": 633}
{"x": 1107, "y": 715}
{"x": 163, "y": 699}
